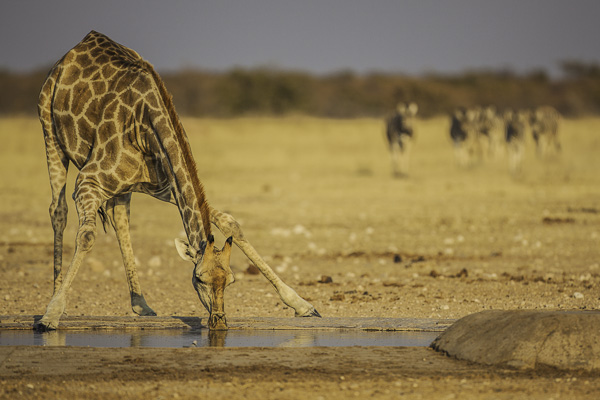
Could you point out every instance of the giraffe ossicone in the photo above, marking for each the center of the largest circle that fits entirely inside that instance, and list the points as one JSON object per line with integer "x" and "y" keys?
{"x": 104, "y": 109}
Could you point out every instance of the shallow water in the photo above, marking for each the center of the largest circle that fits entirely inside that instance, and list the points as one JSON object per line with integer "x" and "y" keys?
{"x": 204, "y": 338}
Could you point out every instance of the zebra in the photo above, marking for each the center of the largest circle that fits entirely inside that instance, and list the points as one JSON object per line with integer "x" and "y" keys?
{"x": 399, "y": 133}
{"x": 515, "y": 123}
{"x": 544, "y": 128}
{"x": 488, "y": 137}
{"x": 464, "y": 131}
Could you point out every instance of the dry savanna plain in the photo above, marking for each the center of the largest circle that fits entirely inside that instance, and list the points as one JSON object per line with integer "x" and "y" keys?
{"x": 318, "y": 200}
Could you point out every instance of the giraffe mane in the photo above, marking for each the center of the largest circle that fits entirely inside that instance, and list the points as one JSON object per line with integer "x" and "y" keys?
{"x": 185, "y": 148}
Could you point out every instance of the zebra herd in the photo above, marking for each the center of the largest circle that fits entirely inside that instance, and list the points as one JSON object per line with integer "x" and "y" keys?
{"x": 477, "y": 133}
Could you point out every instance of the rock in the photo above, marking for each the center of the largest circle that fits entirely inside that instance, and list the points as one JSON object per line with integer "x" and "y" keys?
{"x": 526, "y": 339}
{"x": 325, "y": 279}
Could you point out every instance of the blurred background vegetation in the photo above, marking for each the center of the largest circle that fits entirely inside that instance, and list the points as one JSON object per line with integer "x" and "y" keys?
{"x": 345, "y": 94}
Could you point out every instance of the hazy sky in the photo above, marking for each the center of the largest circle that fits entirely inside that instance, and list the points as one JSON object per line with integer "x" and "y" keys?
{"x": 319, "y": 36}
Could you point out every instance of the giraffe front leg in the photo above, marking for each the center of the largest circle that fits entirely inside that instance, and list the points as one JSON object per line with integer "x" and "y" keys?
{"x": 58, "y": 215}
{"x": 230, "y": 227}
{"x": 86, "y": 236}
{"x": 117, "y": 210}
{"x": 58, "y": 165}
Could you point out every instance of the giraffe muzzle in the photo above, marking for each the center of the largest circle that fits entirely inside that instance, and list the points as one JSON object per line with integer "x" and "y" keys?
{"x": 217, "y": 322}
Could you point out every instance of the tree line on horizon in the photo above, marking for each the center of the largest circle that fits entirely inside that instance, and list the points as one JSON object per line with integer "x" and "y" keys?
{"x": 345, "y": 94}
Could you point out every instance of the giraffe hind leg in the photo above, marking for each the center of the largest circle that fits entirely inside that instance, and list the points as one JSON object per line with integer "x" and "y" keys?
{"x": 117, "y": 211}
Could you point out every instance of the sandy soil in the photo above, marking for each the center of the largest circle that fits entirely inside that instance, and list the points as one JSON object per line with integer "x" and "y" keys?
{"x": 319, "y": 373}
{"x": 316, "y": 197}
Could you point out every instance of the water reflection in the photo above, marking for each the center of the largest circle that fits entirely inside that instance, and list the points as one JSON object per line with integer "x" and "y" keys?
{"x": 206, "y": 338}
{"x": 301, "y": 339}
{"x": 217, "y": 338}
{"x": 54, "y": 338}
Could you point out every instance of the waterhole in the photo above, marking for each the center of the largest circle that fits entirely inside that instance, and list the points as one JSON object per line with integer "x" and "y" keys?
{"x": 204, "y": 338}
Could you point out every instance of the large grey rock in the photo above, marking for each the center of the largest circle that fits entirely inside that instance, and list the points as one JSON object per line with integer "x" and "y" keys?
{"x": 568, "y": 340}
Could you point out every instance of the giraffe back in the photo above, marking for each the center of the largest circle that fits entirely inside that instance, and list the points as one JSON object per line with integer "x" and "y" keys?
{"x": 110, "y": 113}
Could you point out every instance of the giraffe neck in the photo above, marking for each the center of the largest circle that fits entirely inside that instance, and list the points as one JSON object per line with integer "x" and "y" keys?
{"x": 191, "y": 216}
{"x": 187, "y": 188}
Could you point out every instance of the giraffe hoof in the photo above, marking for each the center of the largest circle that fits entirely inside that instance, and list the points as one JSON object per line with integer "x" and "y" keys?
{"x": 310, "y": 313}
{"x": 139, "y": 306}
{"x": 41, "y": 326}
{"x": 144, "y": 312}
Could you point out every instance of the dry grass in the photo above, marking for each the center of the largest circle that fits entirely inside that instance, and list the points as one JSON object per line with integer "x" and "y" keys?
{"x": 317, "y": 197}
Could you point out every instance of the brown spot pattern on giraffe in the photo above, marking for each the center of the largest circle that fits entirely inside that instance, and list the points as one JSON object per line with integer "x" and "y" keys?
{"x": 100, "y": 95}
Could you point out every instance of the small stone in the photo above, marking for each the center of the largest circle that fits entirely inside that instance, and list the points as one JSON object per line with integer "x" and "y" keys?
{"x": 462, "y": 273}
{"x": 281, "y": 268}
{"x": 252, "y": 270}
{"x": 300, "y": 230}
{"x": 578, "y": 295}
{"x": 325, "y": 279}
{"x": 155, "y": 262}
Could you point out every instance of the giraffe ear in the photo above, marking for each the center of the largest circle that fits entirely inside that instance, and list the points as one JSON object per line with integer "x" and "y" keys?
{"x": 185, "y": 251}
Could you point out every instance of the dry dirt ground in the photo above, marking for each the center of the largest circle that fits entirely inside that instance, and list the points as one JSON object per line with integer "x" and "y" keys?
{"x": 316, "y": 197}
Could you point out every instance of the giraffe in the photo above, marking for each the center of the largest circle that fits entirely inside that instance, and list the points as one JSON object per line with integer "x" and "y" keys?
{"x": 105, "y": 109}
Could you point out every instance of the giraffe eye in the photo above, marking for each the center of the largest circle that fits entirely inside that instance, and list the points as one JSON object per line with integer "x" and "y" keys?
{"x": 198, "y": 279}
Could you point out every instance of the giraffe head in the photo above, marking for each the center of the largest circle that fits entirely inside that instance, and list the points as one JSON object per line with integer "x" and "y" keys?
{"x": 212, "y": 275}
